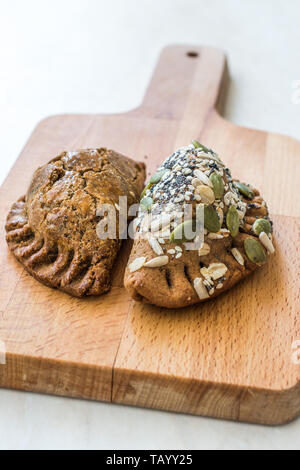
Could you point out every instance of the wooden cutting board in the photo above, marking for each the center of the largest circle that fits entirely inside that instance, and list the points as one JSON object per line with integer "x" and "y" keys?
{"x": 232, "y": 357}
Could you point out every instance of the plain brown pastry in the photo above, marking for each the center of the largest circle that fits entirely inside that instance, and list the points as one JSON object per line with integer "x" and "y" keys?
{"x": 52, "y": 230}
{"x": 237, "y": 232}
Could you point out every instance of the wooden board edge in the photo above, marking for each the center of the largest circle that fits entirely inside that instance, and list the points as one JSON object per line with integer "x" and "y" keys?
{"x": 56, "y": 377}
{"x": 203, "y": 398}
{"x": 146, "y": 390}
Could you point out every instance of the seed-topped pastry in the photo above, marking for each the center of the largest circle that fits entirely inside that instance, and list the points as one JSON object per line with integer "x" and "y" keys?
{"x": 52, "y": 231}
{"x": 173, "y": 263}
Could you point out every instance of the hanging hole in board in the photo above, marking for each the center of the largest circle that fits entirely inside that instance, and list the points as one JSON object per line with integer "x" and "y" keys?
{"x": 192, "y": 54}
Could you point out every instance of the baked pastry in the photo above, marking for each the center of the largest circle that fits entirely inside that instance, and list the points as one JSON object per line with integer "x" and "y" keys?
{"x": 52, "y": 230}
{"x": 236, "y": 237}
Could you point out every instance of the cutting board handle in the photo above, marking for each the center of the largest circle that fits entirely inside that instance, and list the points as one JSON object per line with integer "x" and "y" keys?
{"x": 187, "y": 84}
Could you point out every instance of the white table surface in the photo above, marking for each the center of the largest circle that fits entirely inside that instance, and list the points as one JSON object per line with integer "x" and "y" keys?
{"x": 80, "y": 56}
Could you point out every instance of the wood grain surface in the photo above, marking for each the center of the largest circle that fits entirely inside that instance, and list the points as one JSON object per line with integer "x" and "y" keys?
{"x": 229, "y": 358}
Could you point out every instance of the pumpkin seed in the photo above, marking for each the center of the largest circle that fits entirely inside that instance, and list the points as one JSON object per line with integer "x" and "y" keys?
{"x": 148, "y": 186}
{"x": 255, "y": 251}
{"x": 261, "y": 225}
{"x": 211, "y": 219}
{"x": 146, "y": 203}
{"x": 218, "y": 185}
{"x": 197, "y": 145}
{"x": 181, "y": 232}
{"x": 233, "y": 221}
{"x": 244, "y": 189}
{"x": 157, "y": 176}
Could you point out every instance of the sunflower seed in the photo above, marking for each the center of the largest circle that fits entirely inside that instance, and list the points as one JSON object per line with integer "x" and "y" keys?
{"x": 203, "y": 178}
{"x": 137, "y": 264}
{"x": 179, "y": 198}
{"x": 162, "y": 221}
{"x": 265, "y": 240}
{"x": 165, "y": 234}
{"x": 200, "y": 288}
{"x": 157, "y": 262}
{"x": 220, "y": 214}
{"x": 227, "y": 198}
{"x": 238, "y": 256}
{"x": 155, "y": 246}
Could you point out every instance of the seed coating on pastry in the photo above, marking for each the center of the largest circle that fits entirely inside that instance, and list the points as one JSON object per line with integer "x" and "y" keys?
{"x": 232, "y": 247}
{"x": 52, "y": 231}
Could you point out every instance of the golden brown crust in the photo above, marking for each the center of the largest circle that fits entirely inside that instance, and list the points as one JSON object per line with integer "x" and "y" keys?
{"x": 52, "y": 231}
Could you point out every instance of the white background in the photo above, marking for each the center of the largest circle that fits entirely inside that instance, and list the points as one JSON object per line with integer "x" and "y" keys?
{"x": 79, "y": 56}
